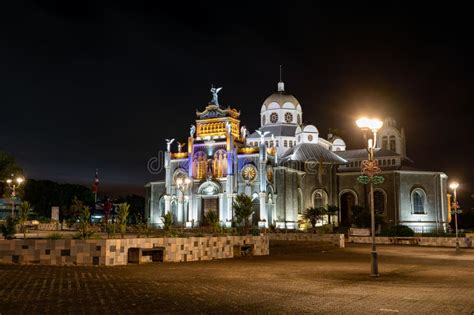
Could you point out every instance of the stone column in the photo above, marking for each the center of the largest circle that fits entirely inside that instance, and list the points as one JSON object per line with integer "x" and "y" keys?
{"x": 221, "y": 209}
{"x": 197, "y": 210}
{"x": 263, "y": 223}
{"x": 180, "y": 213}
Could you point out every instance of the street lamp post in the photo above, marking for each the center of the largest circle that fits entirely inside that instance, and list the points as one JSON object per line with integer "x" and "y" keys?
{"x": 369, "y": 169}
{"x": 454, "y": 186}
{"x": 13, "y": 185}
{"x": 183, "y": 186}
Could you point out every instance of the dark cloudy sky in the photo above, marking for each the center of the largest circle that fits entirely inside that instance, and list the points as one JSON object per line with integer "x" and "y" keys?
{"x": 100, "y": 85}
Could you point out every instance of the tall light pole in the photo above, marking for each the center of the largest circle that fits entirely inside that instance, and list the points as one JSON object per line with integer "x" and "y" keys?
{"x": 454, "y": 186}
{"x": 183, "y": 186}
{"x": 369, "y": 169}
{"x": 13, "y": 184}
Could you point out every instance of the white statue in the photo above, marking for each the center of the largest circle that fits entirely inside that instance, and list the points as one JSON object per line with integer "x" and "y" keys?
{"x": 214, "y": 92}
{"x": 228, "y": 127}
{"x": 262, "y": 135}
{"x": 243, "y": 133}
{"x": 180, "y": 146}
{"x": 273, "y": 140}
{"x": 168, "y": 144}
{"x": 192, "y": 130}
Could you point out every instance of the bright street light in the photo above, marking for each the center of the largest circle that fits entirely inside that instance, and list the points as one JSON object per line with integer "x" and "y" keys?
{"x": 373, "y": 124}
{"x": 369, "y": 169}
{"x": 454, "y": 186}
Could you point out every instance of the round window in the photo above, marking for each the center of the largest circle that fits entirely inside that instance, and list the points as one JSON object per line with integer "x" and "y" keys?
{"x": 289, "y": 117}
{"x": 274, "y": 117}
{"x": 310, "y": 138}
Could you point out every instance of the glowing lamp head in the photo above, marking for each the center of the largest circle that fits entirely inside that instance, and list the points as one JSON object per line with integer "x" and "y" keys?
{"x": 187, "y": 181}
{"x": 179, "y": 181}
{"x": 9, "y": 181}
{"x": 20, "y": 180}
{"x": 373, "y": 124}
{"x": 454, "y": 185}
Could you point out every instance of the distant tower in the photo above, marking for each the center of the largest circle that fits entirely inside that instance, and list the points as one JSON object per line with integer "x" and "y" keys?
{"x": 391, "y": 138}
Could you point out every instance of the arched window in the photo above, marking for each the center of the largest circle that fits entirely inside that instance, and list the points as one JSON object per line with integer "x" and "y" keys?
{"x": 300, "y": 201}
{"x": 393, "y": 146}
{"x": 298, "y": 119}
{"x": 320, "y": 198}
{"x": 277, "y": 143}
{"x": 418, "y": 199}
{"x": 380, "y": 200}
{"x": 384, "y": 142}
{"x": 285, "y": 143}
{"x": 263, "y": 120}
{"x": 393, "y": 161}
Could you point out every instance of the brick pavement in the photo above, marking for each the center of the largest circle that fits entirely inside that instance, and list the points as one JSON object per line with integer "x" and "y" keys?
{"x": 296, "y": 278}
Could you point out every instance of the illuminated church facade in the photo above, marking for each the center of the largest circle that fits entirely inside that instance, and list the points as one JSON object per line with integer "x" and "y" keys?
{"x": 286, "y": 167}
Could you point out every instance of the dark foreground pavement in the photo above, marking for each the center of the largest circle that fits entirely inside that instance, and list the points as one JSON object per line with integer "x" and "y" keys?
{"x": 296, "y": 278}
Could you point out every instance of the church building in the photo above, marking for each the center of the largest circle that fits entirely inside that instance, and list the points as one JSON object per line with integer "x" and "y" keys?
{"x": 286, "y": 167}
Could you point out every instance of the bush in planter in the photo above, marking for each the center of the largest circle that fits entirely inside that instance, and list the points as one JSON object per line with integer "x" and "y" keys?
{"x": 398, "y": 230}
{"x": 54, "y": 236}
{"x": 362, "y": 218}
{"x": 9, "y": 228}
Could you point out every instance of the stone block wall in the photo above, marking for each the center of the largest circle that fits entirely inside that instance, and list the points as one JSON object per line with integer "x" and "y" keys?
{"x": 465, "y": 242}
{"x": 113, "y": 252}
{"x": 335, "y": 239}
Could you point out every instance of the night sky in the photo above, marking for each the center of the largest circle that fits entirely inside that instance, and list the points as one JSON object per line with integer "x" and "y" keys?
{"x": 100, "y": 85}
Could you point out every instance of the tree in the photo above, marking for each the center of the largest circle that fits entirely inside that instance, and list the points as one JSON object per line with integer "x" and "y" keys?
{"x": 313, "y": 215}
{"x": 332, "y": 210}
{"x": 43, "y": 194}
{"x": 122, "y": 216}
{"x": 8, "y": 166}
{"x": 362, "y": 218}
{"x": 85, "y": 222}
{"x": 73, "y": 213}
{"x": 25, "y": 209}
{"x": 212, "y": 218}
{"x": 243, "y": 209}
{"x": 8, "y": 228}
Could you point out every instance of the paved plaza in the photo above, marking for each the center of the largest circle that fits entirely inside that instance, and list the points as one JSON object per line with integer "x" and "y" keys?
{"x": 295, "y": 278}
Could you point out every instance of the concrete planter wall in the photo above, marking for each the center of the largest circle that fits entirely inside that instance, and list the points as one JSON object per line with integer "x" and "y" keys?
{"x": 465, "y": 242}
{"x": 334, "y": 239}
{"x": 115, "y": 251}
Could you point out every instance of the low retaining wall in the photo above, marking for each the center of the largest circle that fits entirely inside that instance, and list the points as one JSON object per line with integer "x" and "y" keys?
{"x": 114, "y": 252}
{"x": 335, "y": 239}
{"x": 465, "y": 242}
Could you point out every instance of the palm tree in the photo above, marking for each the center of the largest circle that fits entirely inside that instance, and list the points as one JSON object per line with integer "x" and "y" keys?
{"x": 25, "y": 209}
{"x": 122, "y": 214}
{"x": 313, "y": 215}
{"x": 243, "y": 209}
{"x": 212, "y": 219}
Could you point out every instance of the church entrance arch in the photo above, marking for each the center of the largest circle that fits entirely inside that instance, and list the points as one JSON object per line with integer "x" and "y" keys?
{"x": 348, "y": 199}
{"x": 209, "y": 192}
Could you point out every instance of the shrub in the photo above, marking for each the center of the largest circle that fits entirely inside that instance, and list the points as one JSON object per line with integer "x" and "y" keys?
{"x": 398, "y": 230}
{"x": 122, "y": 214}
{"x": 243, "y": 209}
{"x": 255, "y": 231}
{"x": 313, "y": 215}
{"x": 167, "y": 221}
{"x": 84, "y": 223}
{"x": 54, "y": 236}
{"x": 362, "y": 218}
{"x": 9, "y": 228}
{"x": 212, "y": 218}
